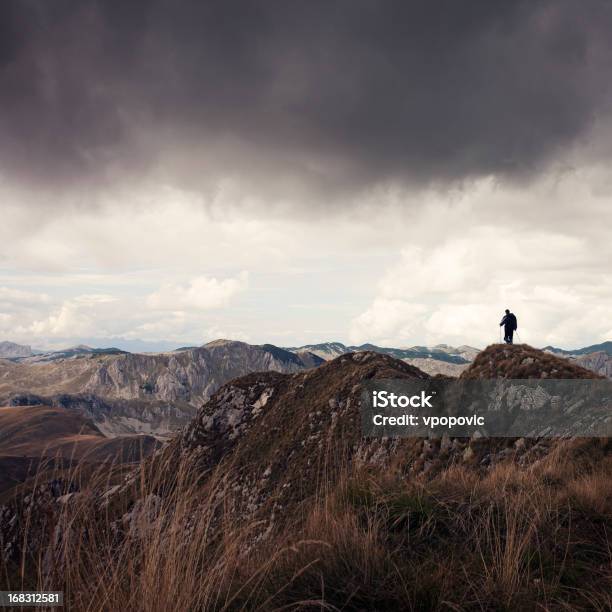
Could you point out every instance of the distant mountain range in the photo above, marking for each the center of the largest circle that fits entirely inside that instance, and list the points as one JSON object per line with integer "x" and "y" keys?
{"x": 125, "y": 393}
{"x": 439, "y": 359}
{"x": 597, "y": 357}
{"x": 441, "y": 352}
{"x": 10, "y": 350}
{"x": 605, "y": 347}
{"x": 68, "y": 353}
{"x": 325, "y": 350}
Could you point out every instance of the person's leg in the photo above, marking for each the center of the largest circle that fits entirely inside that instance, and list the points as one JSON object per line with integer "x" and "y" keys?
{"x": 510, "y": 335}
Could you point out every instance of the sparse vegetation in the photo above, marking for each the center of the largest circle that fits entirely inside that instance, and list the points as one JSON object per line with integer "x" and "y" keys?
{"x": 516, "y": 539}
{"x": 522, "y": 361}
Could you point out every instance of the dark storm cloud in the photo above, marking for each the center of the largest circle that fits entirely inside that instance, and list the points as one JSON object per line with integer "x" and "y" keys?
{"x": 329, "y": 96}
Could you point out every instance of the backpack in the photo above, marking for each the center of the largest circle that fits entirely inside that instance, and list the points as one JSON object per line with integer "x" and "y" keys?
{"x": 514, "y": 322}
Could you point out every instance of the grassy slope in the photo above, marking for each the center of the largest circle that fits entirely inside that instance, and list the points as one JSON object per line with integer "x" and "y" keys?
{"x": 41, "y": 438}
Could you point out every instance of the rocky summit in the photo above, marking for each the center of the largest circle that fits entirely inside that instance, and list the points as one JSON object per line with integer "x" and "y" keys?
{"x": 522, "y": 361}
{"x": 286, "y": 436}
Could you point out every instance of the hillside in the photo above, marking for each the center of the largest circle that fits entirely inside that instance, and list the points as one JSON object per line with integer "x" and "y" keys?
{"x": 44, "y": 431}
{"x": 600, "y": 362}
{"x": 605, "y": 347}
{"x": 286, "y": 435}
{"x": 280, "y": 430}
{"x": 137, "y": 393}
{"x": 522, "y": 361}
{"x": 34, "y": 438}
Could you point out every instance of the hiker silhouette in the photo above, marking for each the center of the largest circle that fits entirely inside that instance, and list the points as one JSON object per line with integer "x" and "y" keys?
{"x": 510, "y": 325}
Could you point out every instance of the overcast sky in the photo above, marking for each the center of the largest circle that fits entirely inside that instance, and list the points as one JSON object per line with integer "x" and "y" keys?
{"x": 294, "y": 172}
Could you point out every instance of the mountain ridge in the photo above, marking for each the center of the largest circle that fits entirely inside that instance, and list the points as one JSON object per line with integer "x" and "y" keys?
{"x": 133, "y": 393}
{"x": 11, "y": 350}
{"x": 605, "y": 347}
{"x": 441, "y": 352}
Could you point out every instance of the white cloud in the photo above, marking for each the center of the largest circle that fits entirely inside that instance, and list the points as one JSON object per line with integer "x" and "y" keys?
{"x": 386, "y": 320}
{"x": 79, "y": 316}
{"x": 200, "y": 293}
{"x": 180, "y": 313}
{"x": 456, "y": 291}
{"x": 10, "y": 296}
{"x": 398, "y": 267}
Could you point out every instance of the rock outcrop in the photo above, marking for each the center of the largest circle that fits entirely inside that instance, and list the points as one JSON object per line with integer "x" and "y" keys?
{"x": 600, "y": 363}
{"x": 522, "y": 361}
{"x": 10, "y": 350}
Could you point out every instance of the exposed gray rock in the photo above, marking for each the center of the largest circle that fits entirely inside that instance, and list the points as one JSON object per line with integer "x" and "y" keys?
{"x": 599, "y": 362}
{"x": 10, "y": 350}
{"x": 125, "y": 393}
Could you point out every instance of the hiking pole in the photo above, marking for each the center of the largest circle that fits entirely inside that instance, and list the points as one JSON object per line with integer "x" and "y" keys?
{"x": 518, "y": 336}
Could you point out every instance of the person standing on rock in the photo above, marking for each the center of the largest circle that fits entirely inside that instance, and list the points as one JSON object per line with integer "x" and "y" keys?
{"x": 510, "y": 325}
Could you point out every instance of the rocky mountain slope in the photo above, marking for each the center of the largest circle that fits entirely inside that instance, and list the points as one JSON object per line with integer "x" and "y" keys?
{"x": 600, "y": 362}
{"x": 597, "y": 357}
{"x": 440, "y": 352}
{"x": 132, "y": 393}
{"x": 440, "y": 359}
{"x": 287, "y": 435}
{"x": 523, "y": 361}
{"x": 10, "y": 350}
{"x": 189, "y": 375}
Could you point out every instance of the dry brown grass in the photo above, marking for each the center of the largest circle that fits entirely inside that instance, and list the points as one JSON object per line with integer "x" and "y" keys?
{"x": 522, "y": 361}
{"x": 534, "y": 538}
